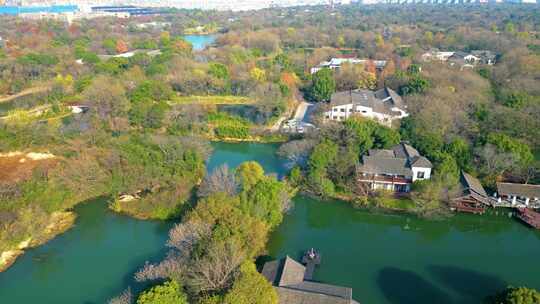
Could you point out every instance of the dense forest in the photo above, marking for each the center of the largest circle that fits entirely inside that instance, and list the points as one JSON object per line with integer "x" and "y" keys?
{"x": 144, "y": 136}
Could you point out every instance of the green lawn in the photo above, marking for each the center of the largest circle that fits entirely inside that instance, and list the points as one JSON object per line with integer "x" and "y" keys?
{"x": 395, "y": 203}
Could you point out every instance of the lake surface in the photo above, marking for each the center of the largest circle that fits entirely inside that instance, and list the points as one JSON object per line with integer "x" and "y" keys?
{"x": 384, "y": 258}
{"x": 401, "y": 259}
{"x": 90, "y": 263}
{"x": 200, "y": 42}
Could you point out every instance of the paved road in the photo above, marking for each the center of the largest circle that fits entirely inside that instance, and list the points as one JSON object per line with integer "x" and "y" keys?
{"x": 302, "y": 110}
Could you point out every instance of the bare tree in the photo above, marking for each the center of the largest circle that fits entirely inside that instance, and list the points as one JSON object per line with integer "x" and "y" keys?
{"x": 126, "y": 297}
{"x": 220, "y": 180}
{"x": 495, "y": 163}
{"x": 216, "y": 269}
{"x": 182, "y": 239}
{"x": 296, "y": 151}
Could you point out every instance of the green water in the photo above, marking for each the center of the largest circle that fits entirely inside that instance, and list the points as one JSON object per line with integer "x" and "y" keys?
{"x": 385, "y": 258}
{"x": 402, "y": 259}
{"x": 90, "y": 263}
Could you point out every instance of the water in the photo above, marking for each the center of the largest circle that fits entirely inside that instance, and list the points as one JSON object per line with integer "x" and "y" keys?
{"x": 200, "y": 42}
{"x": 390, "y": 259}
{"x": 89, "y": 264}
{"x": 384, "y": 258}
{"x": 234, "y": 154}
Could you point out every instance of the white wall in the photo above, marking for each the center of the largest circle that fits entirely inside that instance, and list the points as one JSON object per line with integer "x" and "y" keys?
{"x": 343, "y": 112}
{"x": 427, "y": 173}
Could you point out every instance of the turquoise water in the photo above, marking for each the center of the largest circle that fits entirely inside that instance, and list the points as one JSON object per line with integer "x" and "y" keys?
{"x": 200, "y": 42}
{"x": 89, "y": 264}
{"x": 386, "y": 259}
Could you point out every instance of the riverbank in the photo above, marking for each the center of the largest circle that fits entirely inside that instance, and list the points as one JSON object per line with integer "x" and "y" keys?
{"x": 59, "y": 222}
{"x": 272, "y": 139}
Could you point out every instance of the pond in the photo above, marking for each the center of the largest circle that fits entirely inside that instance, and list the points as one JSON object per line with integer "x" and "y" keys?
{"x": 90, "y": 263}
{"x": 390, "y": 259}
{"x": 384, "y": 258}
{"x": 200, "y": 42}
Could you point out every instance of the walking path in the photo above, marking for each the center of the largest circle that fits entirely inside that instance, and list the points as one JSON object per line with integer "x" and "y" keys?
{"x": 23, "y": 93}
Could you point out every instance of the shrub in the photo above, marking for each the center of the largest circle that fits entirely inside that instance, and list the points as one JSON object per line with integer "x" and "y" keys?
{"x": 168, "y": 293}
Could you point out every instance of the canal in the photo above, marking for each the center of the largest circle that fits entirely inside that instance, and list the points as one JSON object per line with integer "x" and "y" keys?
{"x": 384, "y": 258}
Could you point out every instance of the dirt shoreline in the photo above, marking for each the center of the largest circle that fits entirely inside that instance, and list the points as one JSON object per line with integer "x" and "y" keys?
{"x": 59, "y": 223}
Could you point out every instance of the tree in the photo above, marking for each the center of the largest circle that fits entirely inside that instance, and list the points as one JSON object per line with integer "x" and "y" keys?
{"x": 323, "y": 85}
{"x": 168, "y": 293}
{"x": 126, "y": 297}
{"x": 251, "y": 287}
{"x": 367, "y": 81}
{"x": 516, "y": 295}
{"x": 249, "y": 174}
{"x": 121, "y": 46}
{"x": 218, "y": 70}
{"x": 106, "y": 97}
{"x": 257, "y": 74}
{"x": 510, "y": 28}
{"x": 296, "y": 151}
{"x": 220, "y": 180}
{"x": 428, "y": 37}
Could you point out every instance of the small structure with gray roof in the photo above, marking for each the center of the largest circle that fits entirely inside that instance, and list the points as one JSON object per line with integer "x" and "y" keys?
{"x": 393, "y": 169}
{"x": 384, "y": 105}
{"x": 287, "y": 277}
{"x": 519, "y": 195}
{"x": 470, "y": 196}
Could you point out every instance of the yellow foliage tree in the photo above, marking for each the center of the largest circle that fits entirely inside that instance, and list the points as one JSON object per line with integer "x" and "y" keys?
{"x": 251, "y": 287}
{"x": 258, "y": 74}
{"x": 367, "y": 81}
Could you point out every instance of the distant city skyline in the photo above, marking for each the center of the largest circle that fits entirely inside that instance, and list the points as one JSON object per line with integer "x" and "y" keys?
{"x": 235, "y": 5}
{"x": 189, "y": 4}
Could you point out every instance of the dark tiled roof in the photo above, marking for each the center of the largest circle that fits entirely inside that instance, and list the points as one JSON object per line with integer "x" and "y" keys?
{"x": 381, "y": 101}
{"x": 292, "y": 273}
{"x": 395, "y": 161}
{"x": 471, "y": 186}
{"x": 271, "y": 270}
{"x": 287, "y": 276}
{"x": 326, "y": 289}
{"x": 420, "y": 161}
{"x": 295, "y": 296}
{"x": 385, "y": 165}
{"x": 521, "y": 190}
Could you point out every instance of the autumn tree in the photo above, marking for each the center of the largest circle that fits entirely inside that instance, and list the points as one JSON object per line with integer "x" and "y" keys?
{"x": 121, "y": 46}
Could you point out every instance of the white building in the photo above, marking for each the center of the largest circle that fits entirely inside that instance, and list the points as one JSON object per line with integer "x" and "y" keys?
{"x": 384, "y": 105}
{"x": 394, "y": 169}
{"x": 335, "y": 63}
{"x": 435, "y": 54}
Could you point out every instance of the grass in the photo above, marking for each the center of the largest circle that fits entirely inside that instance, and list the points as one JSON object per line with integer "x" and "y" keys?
{"x": 45, "y": 112}
{"x": 395, "y": 203}
{"x": 210, "y": 100}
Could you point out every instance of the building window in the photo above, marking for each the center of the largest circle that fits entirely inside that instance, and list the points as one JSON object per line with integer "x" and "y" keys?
{"x": 420, "y": 174}
{"x": 327, "y": 116}
{"x": 350, "y": 110}
{"x": 342, "y": 110}
{"x": 364, "y": 111}
{"x": 335, "y": 109}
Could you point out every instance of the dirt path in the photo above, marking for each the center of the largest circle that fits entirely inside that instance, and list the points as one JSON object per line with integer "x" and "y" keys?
{"x": 29, "y": 91}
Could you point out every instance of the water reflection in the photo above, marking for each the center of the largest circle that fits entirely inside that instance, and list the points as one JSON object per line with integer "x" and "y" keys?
{"x": 406, "y": 287}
